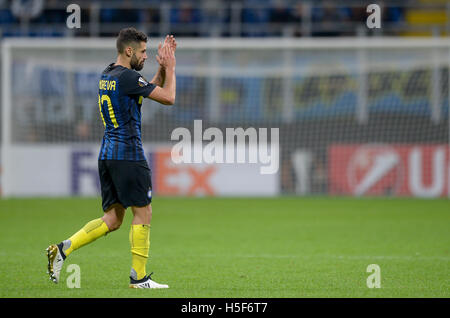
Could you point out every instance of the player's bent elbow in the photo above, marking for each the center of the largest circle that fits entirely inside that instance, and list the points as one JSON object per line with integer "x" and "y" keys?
{"x": 170, "y": 101}
{"x": 166, "y": 101}
{"x": 162, "y": 97}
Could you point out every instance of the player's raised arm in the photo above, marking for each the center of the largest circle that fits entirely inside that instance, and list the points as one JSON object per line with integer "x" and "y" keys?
{"x": 165, "y": 94}
{"x": 160, "y": 75}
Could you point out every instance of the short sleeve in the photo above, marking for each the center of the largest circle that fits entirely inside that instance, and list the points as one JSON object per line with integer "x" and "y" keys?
{"x": 132, "y": 83}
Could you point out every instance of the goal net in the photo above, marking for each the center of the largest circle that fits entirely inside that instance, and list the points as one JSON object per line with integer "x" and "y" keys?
{"x": 355, "y": 116}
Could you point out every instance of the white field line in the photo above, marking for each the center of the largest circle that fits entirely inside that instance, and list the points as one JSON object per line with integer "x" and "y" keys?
{"x": 344, "y": 257}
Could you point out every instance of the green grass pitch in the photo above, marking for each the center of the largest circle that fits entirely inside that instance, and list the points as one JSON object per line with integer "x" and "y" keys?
{"x": 237, "y": 248}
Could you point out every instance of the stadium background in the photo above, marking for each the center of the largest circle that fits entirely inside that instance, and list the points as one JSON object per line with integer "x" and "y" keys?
{"x": 318, "y": 98}
{"x": 361, "y": 112}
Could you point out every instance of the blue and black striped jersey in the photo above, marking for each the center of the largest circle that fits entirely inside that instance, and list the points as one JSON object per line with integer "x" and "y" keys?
{"x": 120, "y": 95}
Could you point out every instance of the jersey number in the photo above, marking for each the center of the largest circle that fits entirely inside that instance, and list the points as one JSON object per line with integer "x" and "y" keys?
{"x": 112, "y": 116}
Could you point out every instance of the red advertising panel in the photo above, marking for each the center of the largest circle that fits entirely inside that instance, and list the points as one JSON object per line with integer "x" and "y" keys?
{"x": 391, "y": 169}
{"x": 203, "y": 179}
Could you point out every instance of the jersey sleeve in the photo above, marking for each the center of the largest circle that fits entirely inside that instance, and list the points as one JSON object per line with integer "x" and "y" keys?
{"x": 132, "y": 83}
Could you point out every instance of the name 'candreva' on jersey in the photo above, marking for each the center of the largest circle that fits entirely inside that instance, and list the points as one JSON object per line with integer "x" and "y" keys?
{"x": 120, "y": 95}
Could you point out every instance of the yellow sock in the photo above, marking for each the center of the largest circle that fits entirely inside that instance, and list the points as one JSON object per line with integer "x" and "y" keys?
{"x": 140, "y": 244}
{"x": 89, "y": 233}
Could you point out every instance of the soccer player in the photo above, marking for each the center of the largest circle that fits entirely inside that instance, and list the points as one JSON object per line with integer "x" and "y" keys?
{"x": 125, "y": 177}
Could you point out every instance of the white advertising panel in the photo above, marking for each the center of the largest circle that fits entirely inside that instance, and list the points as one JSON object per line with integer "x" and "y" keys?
{"x": 66, "y": 170}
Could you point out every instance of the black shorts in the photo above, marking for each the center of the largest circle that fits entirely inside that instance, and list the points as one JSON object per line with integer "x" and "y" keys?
{"x": 126, "y": 182}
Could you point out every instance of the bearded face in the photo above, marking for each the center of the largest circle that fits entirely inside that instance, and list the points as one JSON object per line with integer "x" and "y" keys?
{"x": 136, "y": 64}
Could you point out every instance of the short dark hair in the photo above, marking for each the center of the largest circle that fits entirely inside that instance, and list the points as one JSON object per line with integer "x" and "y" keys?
{"x": 128, "y": 37}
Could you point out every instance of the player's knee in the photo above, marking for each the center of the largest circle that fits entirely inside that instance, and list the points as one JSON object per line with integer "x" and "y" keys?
{"x": 113, "y": 220}
{"x": 114, "y": 225}
{"x": 146, "y": 216}
{"x": 149, "y": 211}
{"x": 142, "y": 215}
{"x": 149, "y": 214}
